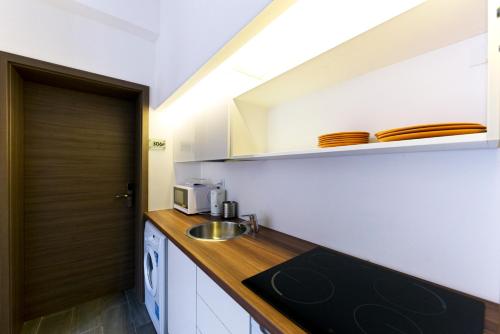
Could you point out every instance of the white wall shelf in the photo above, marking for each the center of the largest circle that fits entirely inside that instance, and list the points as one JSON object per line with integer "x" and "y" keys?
{"x": 399, "y": 73}
{"x": 461, "y": 142}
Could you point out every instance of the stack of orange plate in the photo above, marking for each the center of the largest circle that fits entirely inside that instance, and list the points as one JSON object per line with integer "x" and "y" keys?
{"x": 343, "y": 138}
{"x": 430, "y": 130}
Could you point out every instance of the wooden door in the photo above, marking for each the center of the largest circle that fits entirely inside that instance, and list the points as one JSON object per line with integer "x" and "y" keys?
{"x": 79, "y": 152}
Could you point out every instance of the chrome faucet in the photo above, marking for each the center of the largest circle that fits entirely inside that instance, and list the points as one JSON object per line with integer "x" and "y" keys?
{"x": 252, "y": 221}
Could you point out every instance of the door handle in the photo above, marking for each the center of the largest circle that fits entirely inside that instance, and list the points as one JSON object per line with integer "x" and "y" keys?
{"x": 128, "y": 196}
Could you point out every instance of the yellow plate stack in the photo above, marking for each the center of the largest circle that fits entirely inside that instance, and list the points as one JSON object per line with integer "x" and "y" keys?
{"x": 429, "y": 130}
{"x": 343, "y": 138}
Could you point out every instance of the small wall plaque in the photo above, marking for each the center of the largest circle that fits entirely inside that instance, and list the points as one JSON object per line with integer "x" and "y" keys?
{"x": 157, "y": 144}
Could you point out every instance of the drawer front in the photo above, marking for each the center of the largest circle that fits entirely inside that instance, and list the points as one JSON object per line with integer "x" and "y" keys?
{"x": 206, "y": 320}
{"x": 230, "y": 313}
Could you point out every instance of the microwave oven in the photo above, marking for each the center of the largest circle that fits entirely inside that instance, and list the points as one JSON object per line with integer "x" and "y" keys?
{"x": 192, "y": 199}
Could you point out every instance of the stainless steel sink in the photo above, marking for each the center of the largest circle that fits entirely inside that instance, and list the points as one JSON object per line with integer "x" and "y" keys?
{"x": 218, "y": 231}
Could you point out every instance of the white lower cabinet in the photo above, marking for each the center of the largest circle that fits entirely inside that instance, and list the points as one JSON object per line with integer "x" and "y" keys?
{"x": 233, "y": 317}
{"x": 207, "y": 321}
{"x": 196, "y": 304}
{"x": 181, "y": 287}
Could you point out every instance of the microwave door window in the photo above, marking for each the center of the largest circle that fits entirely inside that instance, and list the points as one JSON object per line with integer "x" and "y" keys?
{"x": 180, "y": 197}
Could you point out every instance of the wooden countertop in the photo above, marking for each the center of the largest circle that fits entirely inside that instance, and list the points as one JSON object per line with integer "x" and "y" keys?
{"x": 228, "y": 263}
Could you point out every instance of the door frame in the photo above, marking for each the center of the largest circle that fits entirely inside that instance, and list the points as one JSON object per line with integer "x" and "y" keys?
{"x": 13, "y": 70}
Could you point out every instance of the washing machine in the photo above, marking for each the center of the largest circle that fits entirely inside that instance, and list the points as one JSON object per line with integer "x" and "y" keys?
{"x": 155, "y": 276}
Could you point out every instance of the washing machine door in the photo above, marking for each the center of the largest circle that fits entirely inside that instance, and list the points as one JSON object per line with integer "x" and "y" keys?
{"x": 151, "y": 270}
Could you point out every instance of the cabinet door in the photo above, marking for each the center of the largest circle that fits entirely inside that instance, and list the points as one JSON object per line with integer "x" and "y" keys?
{"x": 212, "y": 133}
{"x": 207, "y": 321}
{"x": 225, "y": 308}
{"x": 181, "y": 297}
{"x": 204, "y": 135}
{"x": 184, "y": 141}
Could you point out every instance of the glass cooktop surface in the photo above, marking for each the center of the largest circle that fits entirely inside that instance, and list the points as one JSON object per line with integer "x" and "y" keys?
{"x": 324, "y": 291}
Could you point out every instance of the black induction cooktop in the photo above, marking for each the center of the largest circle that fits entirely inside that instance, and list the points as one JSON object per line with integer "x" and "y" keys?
{"x": 324, "y": 291}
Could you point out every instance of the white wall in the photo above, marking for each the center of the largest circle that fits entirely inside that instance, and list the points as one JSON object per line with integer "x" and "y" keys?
{"x": 161, "y": 171}
{"x": 141, "y": 17}
{"x": 432, "y": 215}
{"x": 54, "y": 31}
{"x": 191, "y": 32}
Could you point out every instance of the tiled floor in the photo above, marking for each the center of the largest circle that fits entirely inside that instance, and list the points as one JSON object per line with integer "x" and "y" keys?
{"x": 115, "y": 314}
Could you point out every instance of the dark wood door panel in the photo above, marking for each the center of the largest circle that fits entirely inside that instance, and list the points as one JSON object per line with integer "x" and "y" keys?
{"x": 78, "y": 153}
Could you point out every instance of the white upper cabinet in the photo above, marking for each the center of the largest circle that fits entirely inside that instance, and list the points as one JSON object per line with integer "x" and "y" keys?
{"x": 213, "y": 133}
{"x": 204, "y": 136}
{"x": 184, "y": 141}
